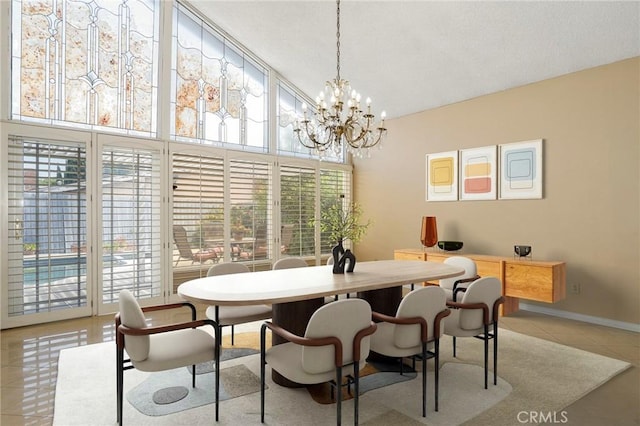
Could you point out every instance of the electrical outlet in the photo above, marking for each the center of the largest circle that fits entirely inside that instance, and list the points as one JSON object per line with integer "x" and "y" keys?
{"x": 574, "y": 288}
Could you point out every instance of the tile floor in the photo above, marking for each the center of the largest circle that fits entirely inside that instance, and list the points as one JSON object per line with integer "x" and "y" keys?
{"x": 30, "y": 354}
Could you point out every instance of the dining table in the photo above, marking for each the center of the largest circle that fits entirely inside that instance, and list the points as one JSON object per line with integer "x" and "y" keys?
{"x": 296, "y": 293}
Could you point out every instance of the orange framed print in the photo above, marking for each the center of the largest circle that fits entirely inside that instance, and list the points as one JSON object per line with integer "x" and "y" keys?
{"x": 478, "y": 173}
{"x": 442, "y": 176}
{"x": 521, "y": 170}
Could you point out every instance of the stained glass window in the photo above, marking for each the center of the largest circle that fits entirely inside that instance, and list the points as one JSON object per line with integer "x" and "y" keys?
{"x": 89, "y": 62}
{"x": 218, "y": 93}
{"x": 289, "y": 110}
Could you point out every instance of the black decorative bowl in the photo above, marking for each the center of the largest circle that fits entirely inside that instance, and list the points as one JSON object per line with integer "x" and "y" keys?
{"x": 522, "y": 251}
{"x": 450, "y": 245}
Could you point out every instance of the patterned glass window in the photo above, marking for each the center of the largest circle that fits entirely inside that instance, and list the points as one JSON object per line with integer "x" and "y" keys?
{"x": 218, "y": 95}
{"x": 91, "y": 63}
{"x": 289, "y": 110}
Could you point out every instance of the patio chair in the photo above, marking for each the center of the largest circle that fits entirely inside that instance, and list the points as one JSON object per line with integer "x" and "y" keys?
{"x": 186, "y": 252}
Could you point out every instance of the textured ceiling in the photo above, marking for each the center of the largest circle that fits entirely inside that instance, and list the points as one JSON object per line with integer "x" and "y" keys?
{"x": 409, "y": 56}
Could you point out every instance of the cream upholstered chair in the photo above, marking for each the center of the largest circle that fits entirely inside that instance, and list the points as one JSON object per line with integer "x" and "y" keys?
{"x": 290, "y": 262}
{"x": 476, "y": 315}
{"x": 162, "y": 347}
{"x": 336, "y": 337}
{"x": 232, "y": 315}
{"x": 454, "y": 286}
{"x": 417, "y": 325}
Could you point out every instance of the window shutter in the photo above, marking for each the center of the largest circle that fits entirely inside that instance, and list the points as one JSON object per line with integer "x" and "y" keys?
{"x": 250, "y": 192}
{"x": 47, "y": 217}
{"x": 297, "y": 209}
{"x": 335, "y": 188}
{"x": 131, "y": 245}
{"x": 198, "y": 207}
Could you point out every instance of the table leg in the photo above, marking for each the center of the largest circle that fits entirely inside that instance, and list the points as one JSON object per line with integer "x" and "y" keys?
{"x": 294, "y": 317}
{"x": 384, "y": 300}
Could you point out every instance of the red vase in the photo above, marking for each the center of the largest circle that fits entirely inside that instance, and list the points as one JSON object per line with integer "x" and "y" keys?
{"x": 429, "y": 234}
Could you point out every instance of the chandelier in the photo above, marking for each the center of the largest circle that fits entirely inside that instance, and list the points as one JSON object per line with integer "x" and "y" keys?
{"x": 339, "y": 119}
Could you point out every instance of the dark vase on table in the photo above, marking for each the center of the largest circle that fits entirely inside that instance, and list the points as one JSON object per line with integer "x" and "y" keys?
{"x": 341, "y": 257}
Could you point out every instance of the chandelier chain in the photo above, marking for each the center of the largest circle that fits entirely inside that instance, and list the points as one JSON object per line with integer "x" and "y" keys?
{"x": 338, "y": 40}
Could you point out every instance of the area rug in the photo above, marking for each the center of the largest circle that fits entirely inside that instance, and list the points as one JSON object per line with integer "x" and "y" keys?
{"x": 534, "y": 375}
{"x": 170, "y": 391}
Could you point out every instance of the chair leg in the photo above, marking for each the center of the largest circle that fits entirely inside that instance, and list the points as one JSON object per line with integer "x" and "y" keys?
{"x": 216, "y": 350}
{"x": 232, "y": 335}
{"x": 262, "y": 370}
{"x": 193, "y": 376}
{"x": 356, "y": 386}
{"x": 437, "y": 370}
{"x": 486, "y": 354}
{"x": 424, "y": 379}
{"x": 339, "y": 394}
{"x": 120, "y": 382}
{"x": 454, "y": 346}
{"x": 495, "y": 354}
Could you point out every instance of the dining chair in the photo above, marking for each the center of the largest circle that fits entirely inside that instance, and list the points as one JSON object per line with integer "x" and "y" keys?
{"x": 186, "y": 252}
{"x": 336, "y": 337}
{"x": 476, "y": 315}
{"x": 165, "y": 347}
{"x": 456, "y": 285}
{"x": 232, "y": 315}
{"x": 414, "y": 331}
{"x": 290, "y": 262}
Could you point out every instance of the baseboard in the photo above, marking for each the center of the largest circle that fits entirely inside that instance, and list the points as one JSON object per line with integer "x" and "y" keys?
{"x": 581, "y": 317}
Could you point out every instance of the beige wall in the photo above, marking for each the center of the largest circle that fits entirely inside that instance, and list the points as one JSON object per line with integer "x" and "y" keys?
{"x": 589, "y": 216}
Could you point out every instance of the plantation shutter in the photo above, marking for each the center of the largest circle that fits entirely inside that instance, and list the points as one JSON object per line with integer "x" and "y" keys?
{"x": 335, "y": 188}
{"x": 250, "y": 210}
{"x": 131, "y": 203}
{"x": 198, "y": 208}
{"x": 47, "y": 223}
{"x": 297, "y": 209}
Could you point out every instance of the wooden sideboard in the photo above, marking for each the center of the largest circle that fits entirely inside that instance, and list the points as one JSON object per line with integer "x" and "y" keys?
{"x": 521, "y": 279}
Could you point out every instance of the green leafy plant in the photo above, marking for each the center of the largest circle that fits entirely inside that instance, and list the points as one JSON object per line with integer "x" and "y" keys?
{"x": 343, "y": 223}
{"x": 29, "y": 248}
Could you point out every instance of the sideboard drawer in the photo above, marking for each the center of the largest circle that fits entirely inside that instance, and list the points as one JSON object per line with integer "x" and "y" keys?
{"x": 543, "y": 283}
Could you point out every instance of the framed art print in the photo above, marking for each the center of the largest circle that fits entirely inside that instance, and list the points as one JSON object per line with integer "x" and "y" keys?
{"x": 521, "y": 170}
{"x": 478, "y": 173}
{"x": 442, "y": 176}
